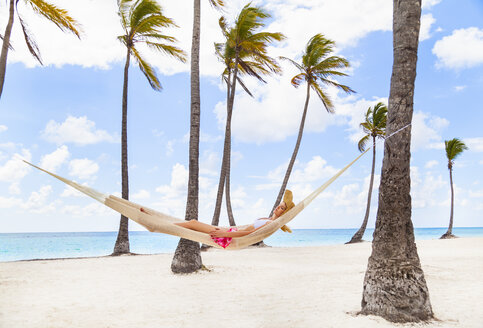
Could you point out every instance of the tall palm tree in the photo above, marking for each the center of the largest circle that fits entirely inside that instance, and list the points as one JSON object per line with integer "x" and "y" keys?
{"x": 454, "y": 148}
{"x": 243, "y": 52}
{"x": 394, "y": 283}
{"x": 374, "y": 126}
{"x": 187, "y": 256}
{"x": 56, "y": 15}
{"x": 317, "y": 69}
{"x": 142, "y": 22}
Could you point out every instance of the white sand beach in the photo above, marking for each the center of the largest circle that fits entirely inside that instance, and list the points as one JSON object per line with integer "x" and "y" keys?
{"x": 270, "y": 287}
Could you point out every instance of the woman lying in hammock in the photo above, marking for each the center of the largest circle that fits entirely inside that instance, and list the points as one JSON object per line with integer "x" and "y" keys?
{"x": 223, "y": 236}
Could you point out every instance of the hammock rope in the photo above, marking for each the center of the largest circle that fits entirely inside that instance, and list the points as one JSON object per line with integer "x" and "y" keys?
{"x": 155, "y": 221}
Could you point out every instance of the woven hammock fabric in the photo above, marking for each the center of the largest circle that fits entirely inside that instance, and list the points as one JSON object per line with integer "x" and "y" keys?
{"x": 155, "y": 221}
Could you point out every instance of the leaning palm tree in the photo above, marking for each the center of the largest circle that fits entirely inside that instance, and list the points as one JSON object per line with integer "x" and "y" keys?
{"x": 142, "y": 21}
{"x": 394, "y": 283}
{"x": 454, "y": 148}
{"x": 56, "y": 15}
{"x": 187, "y": 256}
{"x": 374, "y": 126}
{"x": 317, "y": 69}
{"x": 243, "y": 52}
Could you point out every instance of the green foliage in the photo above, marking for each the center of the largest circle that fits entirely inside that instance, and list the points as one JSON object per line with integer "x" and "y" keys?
{"x": 454, "y": 148}
{"x": 374, "y": 124}
{"x": 143, "y": 21}
{"x": 246, "y": 48}
{"x": 318, "y": 67}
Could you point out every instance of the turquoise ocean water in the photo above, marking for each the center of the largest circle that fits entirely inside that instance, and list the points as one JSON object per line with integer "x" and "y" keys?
{"x": 26, "y": 246}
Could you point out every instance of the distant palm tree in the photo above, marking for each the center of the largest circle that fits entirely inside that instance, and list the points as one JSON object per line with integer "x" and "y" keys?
{"x": 187, "y": 256}
{"x": 454, "y": 148}
{"x": 243, "y": 52}
{"x": 58, "y": 16}
{"x": 375, "y": 127}
{"x": 142, "y": 21}
{"x": 317, "y": 69}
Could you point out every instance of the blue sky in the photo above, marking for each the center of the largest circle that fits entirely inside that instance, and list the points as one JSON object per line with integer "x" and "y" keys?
{"x": 66, "y": 117}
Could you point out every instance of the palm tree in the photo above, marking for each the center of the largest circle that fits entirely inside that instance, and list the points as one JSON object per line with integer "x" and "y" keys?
{"x": 375, "y": 127}
{"x": 56, "y": 15}
{"x": 142, "y": 21}
{"x": 243, "y": 52}
{"x": 187, "y": 256}
{"x": 394, "y": 283}
{"x": 317, "y": 68}
{"x": 454, "y": 148}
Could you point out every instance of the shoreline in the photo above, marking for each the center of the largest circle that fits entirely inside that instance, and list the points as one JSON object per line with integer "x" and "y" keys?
{"x": 319, "y": 286}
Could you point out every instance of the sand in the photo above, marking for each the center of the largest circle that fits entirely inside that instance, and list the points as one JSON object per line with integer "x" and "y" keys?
{"x": 269, "y": 287}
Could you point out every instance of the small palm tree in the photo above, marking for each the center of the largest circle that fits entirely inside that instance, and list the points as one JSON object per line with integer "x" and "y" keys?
{"x": 374, "y": 127}
{"x": 56, "y": 15}
{"x": 317, "y": 68}
{"x": 243, "y": 52}
{"x": 187, "y": 256}
{"x": 142, "y": 21}
{"x": 454, "y": 148}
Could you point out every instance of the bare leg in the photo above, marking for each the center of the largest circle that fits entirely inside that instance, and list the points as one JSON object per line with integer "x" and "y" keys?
{"x": 198, "y": 226}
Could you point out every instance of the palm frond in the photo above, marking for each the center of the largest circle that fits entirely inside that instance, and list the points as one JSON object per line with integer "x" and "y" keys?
{"x": 10, "y": 47}
{"x": 169, "y": 50}
{"x": 454, "y": 148}
{"x": 141, "y": 10}
{"x": 361, "y": 145}
{"x": 298, "y": 79}
{"x": 243, "y": 86}
{"x": 147, "y": 70}
{"x": 329, "y": 106}
{"x": 343, "y": 87}
{"x": 293, "y": 63}
{"x": 58, "y": 16}
{"x": 31, "y": 44}
{"x": 217, "y": 3}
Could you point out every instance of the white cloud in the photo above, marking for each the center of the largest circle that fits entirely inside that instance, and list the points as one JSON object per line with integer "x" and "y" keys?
{"x": 459, "y": 88}
{"x": 424, "y": 189}
{"x": 3, "y": 128}
{"x": 427, "y": 21}
{"x": 427, "y": 4}
{"x": 426, "y": 131}
{"x": 14, "y": 169}
{"x": 52, "y": 161}
{"x": 9, "y": 202}
{"x": 141, "y": 194}
{"x": 37, "y": 202}
{"x": 83, "y": 168}
{"x": 77, "y": 130}
{"x": 474, "y": 144}
{"x": 462, "y": 49}
{"x": 14, "y": 189}
{"x": 431, "y": 164}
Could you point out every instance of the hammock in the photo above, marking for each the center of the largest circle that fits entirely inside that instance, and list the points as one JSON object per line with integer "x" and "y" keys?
{"x": 155, "y": 221}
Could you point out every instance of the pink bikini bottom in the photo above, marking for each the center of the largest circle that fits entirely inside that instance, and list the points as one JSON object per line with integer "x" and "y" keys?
{"x": 224, "y": 241}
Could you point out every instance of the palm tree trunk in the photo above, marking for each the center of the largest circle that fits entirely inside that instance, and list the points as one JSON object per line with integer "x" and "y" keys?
{"x": 394, "y": 283}
{"x": 295, "y": 152}
{"x": 221, "y": 183}
{"x": 187, "y": 257}
{"x": 227, "y": 150}
{"x": 449, "y": 233}
{"x": 6, "y": 45}
{"x": 360, "y": 233}
{"x": 122, "y": 242}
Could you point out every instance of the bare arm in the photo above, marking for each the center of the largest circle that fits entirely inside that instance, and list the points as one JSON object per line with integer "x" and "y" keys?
{"x": 246, "y": 231}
